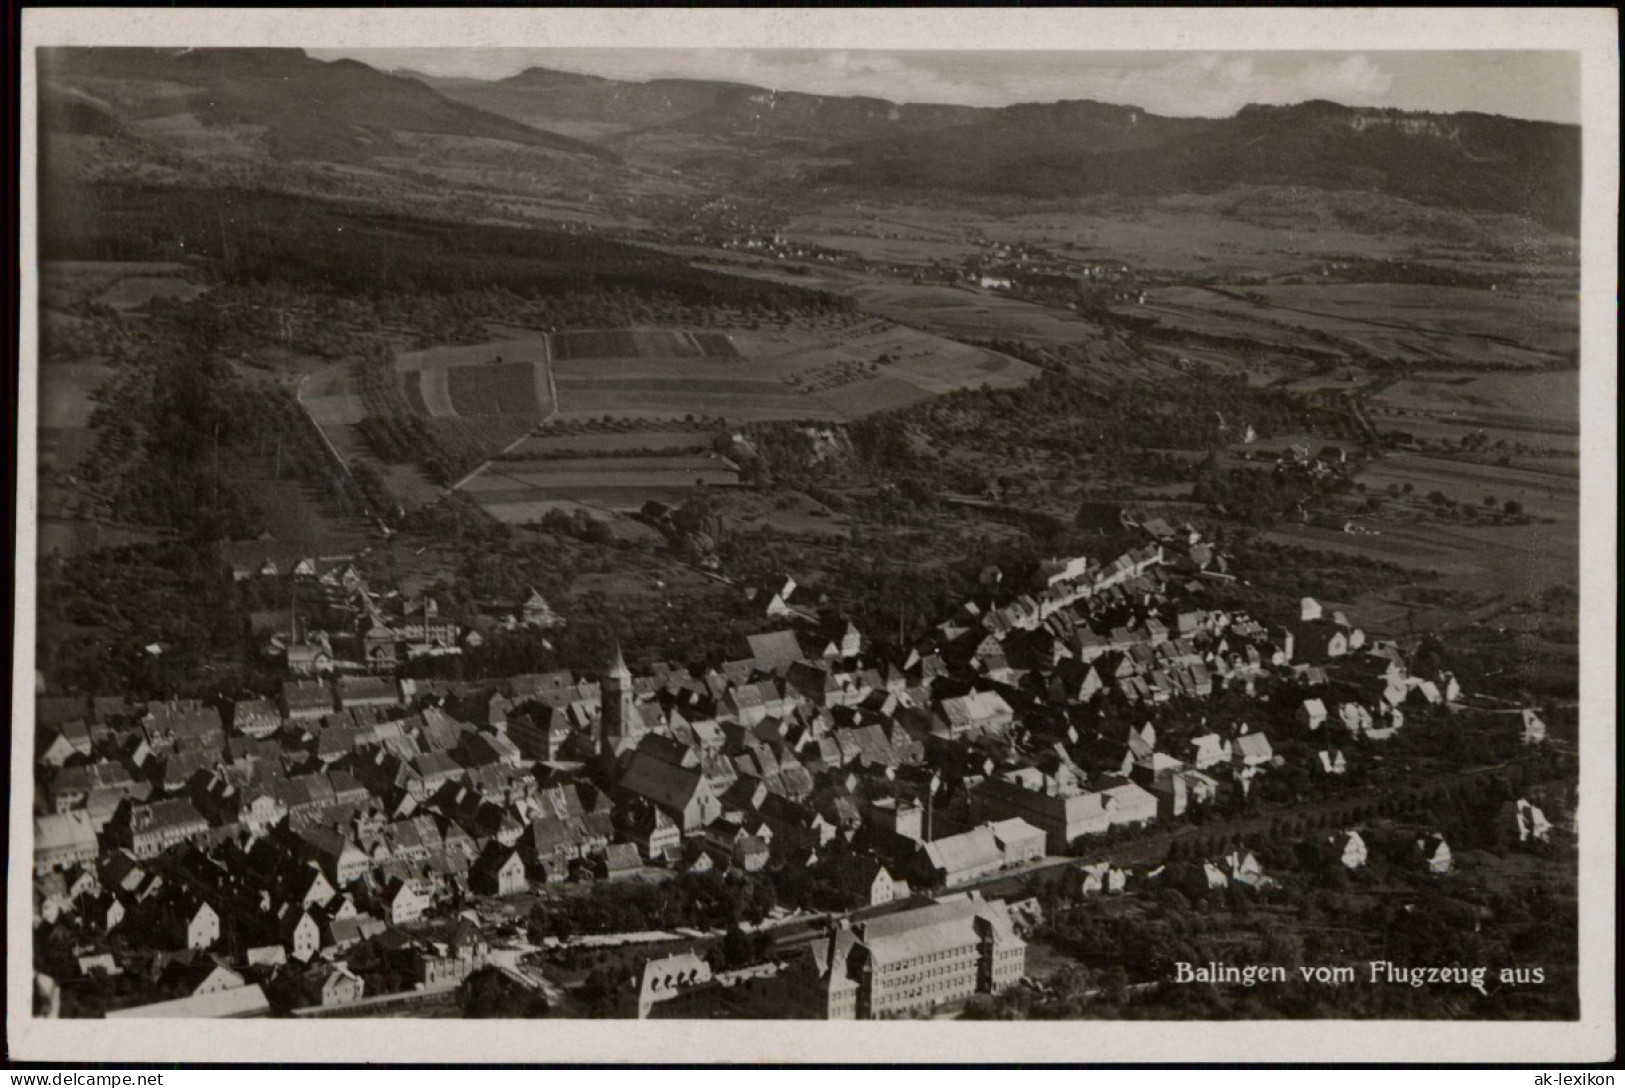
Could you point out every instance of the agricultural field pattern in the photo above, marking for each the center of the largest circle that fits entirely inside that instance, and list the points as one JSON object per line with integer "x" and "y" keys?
{"x": 611, "y": 393}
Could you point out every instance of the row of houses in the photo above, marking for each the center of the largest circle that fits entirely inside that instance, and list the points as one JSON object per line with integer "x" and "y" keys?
{"x": 350, "y": 809}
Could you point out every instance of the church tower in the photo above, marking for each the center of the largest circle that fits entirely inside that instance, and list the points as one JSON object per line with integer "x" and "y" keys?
{"x": 619, "y": 724}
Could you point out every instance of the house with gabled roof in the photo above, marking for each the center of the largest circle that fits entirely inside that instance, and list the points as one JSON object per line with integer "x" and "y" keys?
{"x": 621, "y": 861}
{"x": 1355, "y": 718}
{"x": 62, "y": 840}
{"x": 406, "y": 899}
{"x": 1244, "y": 869}
{"x": 683, "y": 793}
{"x": 62, "y": 741}
{"x": 1063, "y": 815}
{"x": 1129, "y": 805}
{"x": 979, "y": 712}
{"x": 964, "y": 858}
{"x": 1019, "y": 841}
{"x": 335, "y": 984}
{"x": 500, "y": 870}
{"x": 1435, "y": 854}
{"x": 1351, "y": 850}
{"x": 880, "y": 885}
{"x": 1102, "y": 878}
{"x": 748, "y": 704}
{"x": 1252, "y": 750}
{"x": 307, "y": 699}
{"x": 301, "y": 934}
{"x": 1530, "y": 821}
{"x": 354, "y": 691}
{"x": 340, "y": 858}
{"x": 1208, "y": 750}
{"x": 258, "y": 718}
{"x": 534, "y": 611}
{"x": 150, "y": 829}
{"x": 309, "y": 660}
{"x": 1534, "y": 730}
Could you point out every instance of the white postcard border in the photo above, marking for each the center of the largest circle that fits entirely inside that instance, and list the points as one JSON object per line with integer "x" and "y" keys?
{"x": 1591, "y": 32}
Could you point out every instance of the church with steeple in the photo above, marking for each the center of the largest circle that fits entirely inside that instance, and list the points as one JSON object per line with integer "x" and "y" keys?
{"x": 619, "y": 724}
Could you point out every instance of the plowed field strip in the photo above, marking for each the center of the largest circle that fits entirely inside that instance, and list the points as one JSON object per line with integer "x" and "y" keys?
{"x": 434, "y": 388}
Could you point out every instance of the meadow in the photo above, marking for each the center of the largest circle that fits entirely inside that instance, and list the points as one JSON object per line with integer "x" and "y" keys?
{"x": 1428, "y": 324}
{"x": 972, "y": 314}
{"x": 1537, "y": 401}
{"x": 764, "y": 374}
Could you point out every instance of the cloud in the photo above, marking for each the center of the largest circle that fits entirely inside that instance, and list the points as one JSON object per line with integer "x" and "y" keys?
{"x": 1217, "y": 85}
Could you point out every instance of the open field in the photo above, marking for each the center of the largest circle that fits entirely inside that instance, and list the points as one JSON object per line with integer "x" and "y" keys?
{"x": 1427, "y": 323}
{"x": 643, "y": 344}
{"x": 784, "y": 374}
{"x": 1245, "y": 229}
{"x": 504, "y": 378}
{"x": 1427, "y": 428}
{"x": 1549, "y": 402}
{"x": 529, "y": 349}
{"x": 67, "y": 400}
{"x": 1535, "y": 322}
{"x": 66, "y": 392}
{"x": 67, "y": 538}
{"x": 330, "y": 396}
{"x": 1544, "y": 494}
{"x": 783, "y": 511}
{"x": 526, "y": 485}
{"x": 294, "y": 512}
{"x": 1197, "y": 311}
{"x": 601, "y": 473}
{"x": 530, "y": 509}
{"x": 133, "y": 292}
{"x": 1482, "y": 566}
{"x": 902, "y": 236}
{"x": 644, "y": 374}
{"x": 1528, "y": 421}
{"x": 123, "y": 285}
{"x": 587, "y": 474}
{"x": 498, "y": 390}
{"x": 545, "y": 445}
{"x": 973, "y": 314}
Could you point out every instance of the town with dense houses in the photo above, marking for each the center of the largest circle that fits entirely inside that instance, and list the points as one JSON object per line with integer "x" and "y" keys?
{"x": 358, "y": 841}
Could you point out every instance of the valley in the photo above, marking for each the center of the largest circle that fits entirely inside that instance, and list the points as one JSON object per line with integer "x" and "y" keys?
{"x": 422, "y": 398}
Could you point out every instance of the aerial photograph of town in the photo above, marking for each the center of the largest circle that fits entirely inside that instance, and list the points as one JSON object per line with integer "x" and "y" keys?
{"x": 795, "y": 535}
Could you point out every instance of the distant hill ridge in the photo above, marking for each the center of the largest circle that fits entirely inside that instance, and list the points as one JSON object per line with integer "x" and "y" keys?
{"x": 290, "y": 106}
{"x": 1470, "y": 161}
{"x": 309, "y": 109}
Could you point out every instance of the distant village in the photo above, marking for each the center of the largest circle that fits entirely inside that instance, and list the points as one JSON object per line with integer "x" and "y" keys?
{"x": 236, "y": 858}
{"x": 990, "y": 266}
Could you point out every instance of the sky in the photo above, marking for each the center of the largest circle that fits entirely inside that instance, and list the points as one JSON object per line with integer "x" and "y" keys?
{"x": 1540, "y": 85}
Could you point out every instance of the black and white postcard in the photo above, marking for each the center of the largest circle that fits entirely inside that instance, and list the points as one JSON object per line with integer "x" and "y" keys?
{"x": 945, "y": 536}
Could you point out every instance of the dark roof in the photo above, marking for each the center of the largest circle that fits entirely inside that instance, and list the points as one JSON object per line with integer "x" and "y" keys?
{"x": 662, "y": 783}
{"x": 775, "y": 650}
